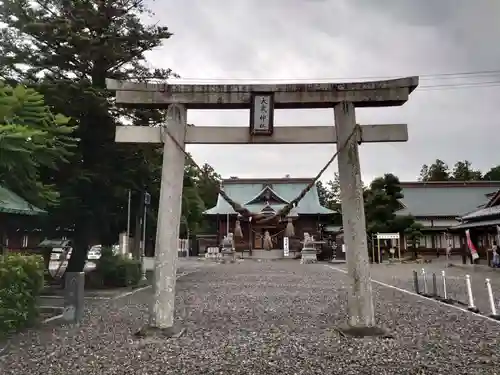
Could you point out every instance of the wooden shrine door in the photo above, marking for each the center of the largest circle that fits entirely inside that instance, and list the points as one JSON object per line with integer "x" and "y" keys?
{"x": 258, "y": 240}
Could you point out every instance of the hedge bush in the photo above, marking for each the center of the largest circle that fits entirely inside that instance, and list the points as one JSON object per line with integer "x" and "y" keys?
{"x": 115, "y": 271}
{"x": 21, "y": 283}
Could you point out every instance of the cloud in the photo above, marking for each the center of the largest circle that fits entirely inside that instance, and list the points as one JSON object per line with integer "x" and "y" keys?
{"x": 320, "y": 39}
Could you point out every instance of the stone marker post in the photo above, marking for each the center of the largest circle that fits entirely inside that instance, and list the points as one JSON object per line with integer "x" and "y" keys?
{"x": 74, "y": 289}
{"x": 360, "y": 300}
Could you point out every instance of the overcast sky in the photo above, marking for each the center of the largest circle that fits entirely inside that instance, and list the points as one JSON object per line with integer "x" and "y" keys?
{"x": 320, "y": 40}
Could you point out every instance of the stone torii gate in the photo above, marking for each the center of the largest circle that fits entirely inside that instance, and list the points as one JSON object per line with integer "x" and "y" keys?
{"x": 262, "y": 99}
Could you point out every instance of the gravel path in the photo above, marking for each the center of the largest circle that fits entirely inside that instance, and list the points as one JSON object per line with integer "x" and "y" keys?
{"x": 401, "y": 275}
{"x": 263, "y": 318}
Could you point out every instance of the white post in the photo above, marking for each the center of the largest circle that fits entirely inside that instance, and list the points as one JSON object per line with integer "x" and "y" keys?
{"x": 493, "y": 308}
{"x": 424, "y": 277}
{"x": 469, "y": 293}
{"x": 169, "y": 215}
{"x": 445, "y": 293}
{"x": 360, "y": 298}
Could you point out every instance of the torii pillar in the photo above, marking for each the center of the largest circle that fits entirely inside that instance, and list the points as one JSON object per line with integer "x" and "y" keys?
{"x": 360, "y": 303}
{"x": 262, "y": 100}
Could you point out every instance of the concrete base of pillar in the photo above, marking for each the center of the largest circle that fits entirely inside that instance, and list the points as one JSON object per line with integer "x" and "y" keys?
{"x": 74, "y": 296}
{"x": 308, "y": 256}
{"x": 360, "y": 332}
{"x": 149, "y": 332}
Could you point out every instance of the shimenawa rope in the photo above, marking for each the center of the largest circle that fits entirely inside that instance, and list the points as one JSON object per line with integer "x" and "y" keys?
{"x": 258, "y": 218}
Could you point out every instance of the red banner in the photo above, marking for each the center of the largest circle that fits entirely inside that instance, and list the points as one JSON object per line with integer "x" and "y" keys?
{"x": 471, "y": 246}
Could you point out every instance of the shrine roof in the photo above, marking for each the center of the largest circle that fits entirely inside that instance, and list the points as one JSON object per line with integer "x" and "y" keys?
{"x": 445, "y": 199}
{"x": 491, "y": 209}
{"x": 11, "y": 203}
{"x": 245, "y": 190}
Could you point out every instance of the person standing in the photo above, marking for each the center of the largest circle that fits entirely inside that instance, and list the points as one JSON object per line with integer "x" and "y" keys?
{"x": 496, "y": 255}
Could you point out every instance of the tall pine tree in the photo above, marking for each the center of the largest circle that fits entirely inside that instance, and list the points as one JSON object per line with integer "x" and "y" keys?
{"x": 67, "y": 49}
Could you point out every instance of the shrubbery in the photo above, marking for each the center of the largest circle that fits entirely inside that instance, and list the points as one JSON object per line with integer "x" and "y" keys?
{"x": 114, "y": 271}
{"x": 21, "y": 282}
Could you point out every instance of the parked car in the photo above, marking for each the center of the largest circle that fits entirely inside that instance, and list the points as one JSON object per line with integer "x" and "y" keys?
{"x": 55, "y": 247}
{"x": 53, "y": 251}
{"x": 94, "y": 252}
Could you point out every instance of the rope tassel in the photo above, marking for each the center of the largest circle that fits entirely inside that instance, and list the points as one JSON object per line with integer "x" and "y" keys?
{"x": 290, "y": 230}
{"x": 238, "y": 233}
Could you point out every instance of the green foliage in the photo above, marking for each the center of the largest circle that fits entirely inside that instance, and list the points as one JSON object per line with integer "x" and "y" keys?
{"x": 493, "y": 174}
{"x": 381, "y": 204}
{"x": 200, "y": 192}
{"x": 463, "y": 171}
{"x": 67, "y": 50}
{"x": 439, "y": 171}
{"x": 115, "y": 271}
{"x": 21, "y": 282}
{"x": 32, "y": 138}
{"x": 413, "y": 235}
{"x": 329, "y": 197}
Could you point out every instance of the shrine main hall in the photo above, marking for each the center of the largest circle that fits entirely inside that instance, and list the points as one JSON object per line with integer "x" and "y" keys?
{"x": 269, "y": 196}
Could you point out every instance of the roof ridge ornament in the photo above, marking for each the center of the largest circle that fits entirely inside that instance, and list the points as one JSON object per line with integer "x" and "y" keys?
{"x": 267, "y": 194}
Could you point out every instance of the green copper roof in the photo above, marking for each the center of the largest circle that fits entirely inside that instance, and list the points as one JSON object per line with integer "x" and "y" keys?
{"x": 244, "y": 192}
{"x": 450, "y": 200}
{"x": 12, "y": 203}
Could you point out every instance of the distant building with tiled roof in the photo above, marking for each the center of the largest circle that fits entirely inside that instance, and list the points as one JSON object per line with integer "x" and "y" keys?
{"x": 440, "y": 205}
{"x": 483, "y": 224}
{"x": 16, "y": 215}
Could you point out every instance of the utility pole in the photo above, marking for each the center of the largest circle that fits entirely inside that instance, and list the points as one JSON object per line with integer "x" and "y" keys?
{"x": 127, "y": 241}
{"x": 146, "y": 203}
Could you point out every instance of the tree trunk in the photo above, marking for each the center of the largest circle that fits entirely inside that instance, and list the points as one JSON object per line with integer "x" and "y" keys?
{"x": 81, "y": 242}
{"x": 415, "y": 253}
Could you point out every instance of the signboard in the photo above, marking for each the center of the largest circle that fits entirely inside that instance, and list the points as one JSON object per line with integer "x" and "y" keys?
{"x": 147, "y": 198}
{"x": 388, "y": 236}
{"x": 344, "y": 247}
{"x": 286, "y": 246}
{"x": 262, "y": 114}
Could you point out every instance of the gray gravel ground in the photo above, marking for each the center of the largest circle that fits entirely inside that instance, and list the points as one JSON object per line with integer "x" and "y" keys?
{"x": 263, "y": 318}
{"x": 401, "y": 275}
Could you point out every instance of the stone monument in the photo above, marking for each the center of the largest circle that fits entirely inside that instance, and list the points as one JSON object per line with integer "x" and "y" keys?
{"x": 227, "y": 248}
{"x": 309, "y": 251}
